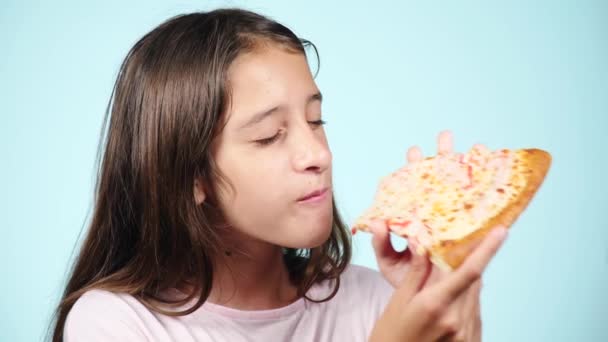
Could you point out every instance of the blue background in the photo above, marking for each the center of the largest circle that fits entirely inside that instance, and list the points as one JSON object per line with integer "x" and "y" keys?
{"x": 507, "y": 74}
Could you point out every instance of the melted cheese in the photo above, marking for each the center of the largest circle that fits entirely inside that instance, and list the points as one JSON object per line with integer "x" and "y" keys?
{"x": 448, "y": 197}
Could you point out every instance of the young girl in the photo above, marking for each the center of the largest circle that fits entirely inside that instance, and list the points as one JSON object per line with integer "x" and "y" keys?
{"x": 214, "y": 218}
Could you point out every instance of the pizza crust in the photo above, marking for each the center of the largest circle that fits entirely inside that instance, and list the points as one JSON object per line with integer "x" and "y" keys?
{"x": 451, "y": 253}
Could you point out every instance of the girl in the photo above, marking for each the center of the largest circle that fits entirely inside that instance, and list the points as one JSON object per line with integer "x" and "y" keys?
{"x": 214, "y": 218}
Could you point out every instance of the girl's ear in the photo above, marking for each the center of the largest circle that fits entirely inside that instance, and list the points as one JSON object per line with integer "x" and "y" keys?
{"x": 199, "y": 192}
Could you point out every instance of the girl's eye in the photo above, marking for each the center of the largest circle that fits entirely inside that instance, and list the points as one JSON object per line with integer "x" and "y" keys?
{"x": 319, "y": 122}
{"x": 268, "y": 141}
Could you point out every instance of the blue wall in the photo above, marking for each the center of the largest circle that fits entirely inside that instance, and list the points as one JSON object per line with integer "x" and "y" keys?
{"x": 508, "y": 74}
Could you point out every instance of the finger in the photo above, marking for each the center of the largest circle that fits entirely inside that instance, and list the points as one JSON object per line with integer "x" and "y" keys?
{"x": 445, "y": 143}
{"x": 454, "y": 321}
{"x": 470, "y": 311}
{"x": 475, "y": 335}
{"x": 381, "y": 242}
{"x": 471, "y": 300}
{"x": 437, "y": 275}
{"x": 417, "y": 274}
{"x": 460, "y": 311}
{"x": 473, "y": 266}
{"x": 481, "y": 148}
{"x": 471, "y": 314}
{"x": 414, "y": 154}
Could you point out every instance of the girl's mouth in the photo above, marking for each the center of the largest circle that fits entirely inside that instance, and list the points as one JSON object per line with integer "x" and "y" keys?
{"x": 315, "y": 196}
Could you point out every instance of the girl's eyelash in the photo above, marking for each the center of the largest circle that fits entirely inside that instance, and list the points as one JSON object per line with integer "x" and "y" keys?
{"x": 319, "y": 122}
{"x": 268, "y": 141}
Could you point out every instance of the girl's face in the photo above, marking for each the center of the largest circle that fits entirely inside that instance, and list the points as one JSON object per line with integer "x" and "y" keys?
{"x": 274, "y": 151}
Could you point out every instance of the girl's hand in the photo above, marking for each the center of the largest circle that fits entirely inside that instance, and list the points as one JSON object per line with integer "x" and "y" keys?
{"x": 392, "y": 264}
{"x": 428, "y": 305}
{"x": 396, "y": 265}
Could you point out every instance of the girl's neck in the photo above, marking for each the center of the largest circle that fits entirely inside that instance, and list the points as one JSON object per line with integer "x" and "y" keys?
{"x": 255, "y": 279}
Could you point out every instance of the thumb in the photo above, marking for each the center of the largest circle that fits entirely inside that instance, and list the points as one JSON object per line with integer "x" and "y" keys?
{"x": 381, "y": 241}
{"x": 417, "y": 273}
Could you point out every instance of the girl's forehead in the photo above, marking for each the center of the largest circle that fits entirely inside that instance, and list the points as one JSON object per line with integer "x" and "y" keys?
{"x": 265, "y": 67}
{"x": 266, "y": 80}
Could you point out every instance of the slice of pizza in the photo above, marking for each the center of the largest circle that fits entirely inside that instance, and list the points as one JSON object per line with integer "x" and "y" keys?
{"x": 447, "y": 203}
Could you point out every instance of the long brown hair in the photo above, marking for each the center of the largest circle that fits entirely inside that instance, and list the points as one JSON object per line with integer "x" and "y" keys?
{"x": 147, "y": 234}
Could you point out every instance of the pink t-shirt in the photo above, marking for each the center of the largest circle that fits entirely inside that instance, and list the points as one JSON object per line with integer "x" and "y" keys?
{"x": 349, "y": 316}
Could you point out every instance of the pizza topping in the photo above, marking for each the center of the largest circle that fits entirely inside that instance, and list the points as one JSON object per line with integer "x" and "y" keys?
{"x": 398, "y": 223}
{"x": 439, "y": 201}
{"x": 415, "y": 200}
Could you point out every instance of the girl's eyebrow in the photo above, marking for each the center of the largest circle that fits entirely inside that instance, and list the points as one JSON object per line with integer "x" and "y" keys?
{"x": 258, "y": 117}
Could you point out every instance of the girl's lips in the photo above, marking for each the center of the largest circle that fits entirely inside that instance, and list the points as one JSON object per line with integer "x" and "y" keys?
{"x": 315, "y": 196}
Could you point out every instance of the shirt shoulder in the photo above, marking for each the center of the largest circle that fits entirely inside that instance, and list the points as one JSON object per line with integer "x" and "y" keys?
{"x": 362, "y": 288}
{"x": 366, "y": 275}
{"x": 361, "y": 299}
{"x": 100, "y": 315}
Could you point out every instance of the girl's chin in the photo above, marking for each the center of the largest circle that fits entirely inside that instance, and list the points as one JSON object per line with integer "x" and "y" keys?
{"x": 310, "y": 239}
